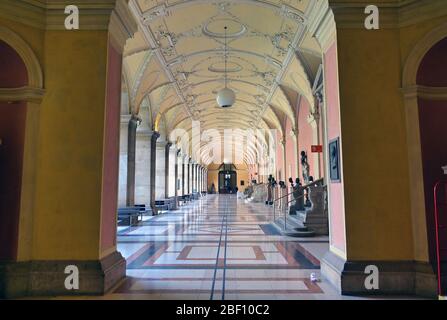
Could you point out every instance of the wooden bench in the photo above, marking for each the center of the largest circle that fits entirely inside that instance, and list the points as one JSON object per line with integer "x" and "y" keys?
{"x": 195, "y": 196}
{"x": 164, "y": 204}
{"x": 132, "y": 214}
{"x": 185, "y": 198}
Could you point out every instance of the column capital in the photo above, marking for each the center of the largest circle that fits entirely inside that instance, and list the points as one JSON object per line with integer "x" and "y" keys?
{"x": 125, "y": 118}
{"x": 163, "y": 144}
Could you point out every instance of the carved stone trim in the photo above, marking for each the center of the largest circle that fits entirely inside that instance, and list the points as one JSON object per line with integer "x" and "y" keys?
{"x": 395, "y": 277}
{"x": 47, "y": 278}
{"x": 22, "y": 94}
{"x": 35, "y": 76}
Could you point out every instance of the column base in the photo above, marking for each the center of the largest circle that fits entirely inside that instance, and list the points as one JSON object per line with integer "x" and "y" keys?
{"x": 47, "y": 278}
{"x": 395, "y": 277}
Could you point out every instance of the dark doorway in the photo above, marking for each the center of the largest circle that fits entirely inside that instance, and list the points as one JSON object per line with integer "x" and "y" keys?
{"x": 432, "y": 114}
{"x": 12, "y": 140}
{"x": 227, "y": 182}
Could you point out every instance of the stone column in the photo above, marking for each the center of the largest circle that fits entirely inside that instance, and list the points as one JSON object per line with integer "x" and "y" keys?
{"x": 198, "y": 178}
{"x": 203, "y": 180}
{"x": 79, "y": 171}
{"x": 199, "y": 188}
{"x": 206, "y": 179}
{"x": 183, "y": 175}
{"x": 188, "y": 176}
{"x": 160, "y": 178}
{"x": 131, "y": 158}
{"x": 176, "y": 177}
{"x": 153, "y": 168}
{"x": 284, "y": 160}
{"x": 143, "y": 166}
{"x": 167, "y": 168}
{"x": 122, "y": 184}
{"x": 193, "y": 177}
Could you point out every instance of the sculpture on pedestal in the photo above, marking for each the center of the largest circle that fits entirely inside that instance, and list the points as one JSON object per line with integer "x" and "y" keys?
{"x": 298, "y": 196}
{"x": 305, "y": 167}
{"x": 270, "y": 186}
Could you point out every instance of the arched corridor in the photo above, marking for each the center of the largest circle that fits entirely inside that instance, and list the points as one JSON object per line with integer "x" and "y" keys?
{"x": 273, "y": 149}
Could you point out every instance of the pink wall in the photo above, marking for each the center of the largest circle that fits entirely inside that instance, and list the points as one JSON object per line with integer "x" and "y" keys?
{"x": 279, "y": 157}
{"x": 291, "y": 155}
{"x": 305, "y": 136}
{"x": 336, "y": 209}
{"x": 13, "y": 72}
{"x": 111, "y": 151}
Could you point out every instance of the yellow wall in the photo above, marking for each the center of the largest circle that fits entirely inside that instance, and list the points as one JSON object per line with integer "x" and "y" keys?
{"x": 378, "y": 224}
{"x": 376, "y": 172}
{"x": 66, "y": 217}
{"x": 68, "y": 194}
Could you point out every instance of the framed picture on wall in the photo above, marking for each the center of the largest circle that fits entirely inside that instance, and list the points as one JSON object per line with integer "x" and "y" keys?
{"x": 334, "y": 160}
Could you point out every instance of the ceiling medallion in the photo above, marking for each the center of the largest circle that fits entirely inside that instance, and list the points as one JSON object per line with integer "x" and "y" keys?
{"x": 238, "y": 28}
{"x": 232, "y": 67}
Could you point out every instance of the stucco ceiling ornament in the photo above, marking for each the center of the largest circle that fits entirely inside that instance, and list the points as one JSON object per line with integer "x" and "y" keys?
{"x": 291, "y": 13}
{"x": 166, "y": 41}
{"x": 282, "y": 41}
{"x": 155, "y": 13}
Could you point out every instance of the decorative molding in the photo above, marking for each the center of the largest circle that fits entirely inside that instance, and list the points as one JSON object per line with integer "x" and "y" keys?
{"x": 46, "y": 278}
{"x": 29, "y": 94}
{"x": 429, "y": 93}
{"x": 50, "y": 15}
{"x": 96, "y": 16}
{"x": 396, "y": 14}
{"x": 35, "y": 76}
{"x": 396, "y": 277}
{"x": 122, "y": 25}
{"x": 414, "y": 59}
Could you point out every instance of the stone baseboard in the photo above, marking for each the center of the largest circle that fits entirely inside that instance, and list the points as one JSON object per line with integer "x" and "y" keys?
{"x": 395, "y": 277}
{"x": 47, "y": 278}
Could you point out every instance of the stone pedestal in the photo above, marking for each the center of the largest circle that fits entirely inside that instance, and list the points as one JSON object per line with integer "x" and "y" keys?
{"x": 316, "y": 218}
{"x": 47, "y": 278}
{"x": 395, "y": 277}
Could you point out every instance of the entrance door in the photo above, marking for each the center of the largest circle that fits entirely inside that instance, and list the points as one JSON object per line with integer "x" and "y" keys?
{"x": 227, "y": 182}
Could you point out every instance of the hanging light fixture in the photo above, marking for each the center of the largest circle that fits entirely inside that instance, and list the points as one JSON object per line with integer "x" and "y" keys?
{"x": 226, "y": 97}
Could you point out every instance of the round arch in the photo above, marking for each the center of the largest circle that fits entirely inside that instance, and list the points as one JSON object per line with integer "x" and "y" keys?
{"x": 412, "y": 91}
{"x": 35, "y": 75}
{"x": 415, "y": 57}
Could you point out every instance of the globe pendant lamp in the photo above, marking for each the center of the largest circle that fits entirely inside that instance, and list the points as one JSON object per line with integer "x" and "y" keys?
{"x": 226, "y": 97}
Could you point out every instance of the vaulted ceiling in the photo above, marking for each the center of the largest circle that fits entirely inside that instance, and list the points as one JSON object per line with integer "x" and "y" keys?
{"x": 174, "y": 65}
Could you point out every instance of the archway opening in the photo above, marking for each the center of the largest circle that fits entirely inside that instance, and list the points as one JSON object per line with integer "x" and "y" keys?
{"x": 227, "y": 179}
{"x": 432, "y": 109}
{"x": 12, "y": 140}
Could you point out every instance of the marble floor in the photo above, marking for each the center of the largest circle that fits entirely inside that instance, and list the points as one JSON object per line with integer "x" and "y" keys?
{"x": 219, "y": 248}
